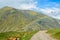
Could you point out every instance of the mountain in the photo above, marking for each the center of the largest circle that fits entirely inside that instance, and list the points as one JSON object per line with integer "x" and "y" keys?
{"x": 12, "y": 19}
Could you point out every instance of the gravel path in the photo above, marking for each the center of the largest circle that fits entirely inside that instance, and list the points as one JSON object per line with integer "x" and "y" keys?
{"x": 42, "y": 35}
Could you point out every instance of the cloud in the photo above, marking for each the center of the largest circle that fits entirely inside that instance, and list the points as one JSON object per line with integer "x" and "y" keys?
{"x": 20, "y": 4}
{"x": 52, "y": 9}
{"x": 54, "y": 12}
{"x": 48, "y": 8}
{"x": 27, "y": 6}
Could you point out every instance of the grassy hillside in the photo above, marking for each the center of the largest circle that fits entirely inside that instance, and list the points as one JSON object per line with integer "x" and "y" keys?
{"x": 55, "y": 33}
{"x": 43, "y": 23}
{"x": 20, "y": 35}
{"x": 24, "y": 23}
{"x": 13, "y": 19}
{"x": 24, "y": 20}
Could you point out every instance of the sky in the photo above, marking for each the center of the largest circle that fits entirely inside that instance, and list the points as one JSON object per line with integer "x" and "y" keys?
{"x": 48, "y": 7}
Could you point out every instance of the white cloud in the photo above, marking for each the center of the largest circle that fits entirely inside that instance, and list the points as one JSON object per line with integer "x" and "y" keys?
{"x": 54, "y": 12}
{"x": 20, "y": 4}
{"x": 46, "y": 10}
{"x": 50, "y": 10}
{"x": 32, "y": 4}
{"x": 27, "y": 6}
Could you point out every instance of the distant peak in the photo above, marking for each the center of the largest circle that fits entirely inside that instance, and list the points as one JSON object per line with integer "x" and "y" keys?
{"x": 7, "y": 8}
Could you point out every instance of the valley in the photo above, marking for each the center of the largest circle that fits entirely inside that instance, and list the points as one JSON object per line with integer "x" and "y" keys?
{"x": 25, "y": 23}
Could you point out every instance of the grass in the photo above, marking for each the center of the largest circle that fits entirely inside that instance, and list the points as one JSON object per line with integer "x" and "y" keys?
{"x": 21, "y": 35}
{"x": 55, "y": 33}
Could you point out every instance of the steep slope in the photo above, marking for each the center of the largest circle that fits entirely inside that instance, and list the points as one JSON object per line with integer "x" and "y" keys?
{"x": 14, "y": 20}
{"x": 24, "y": 20}
{"x": 43, "y": 24}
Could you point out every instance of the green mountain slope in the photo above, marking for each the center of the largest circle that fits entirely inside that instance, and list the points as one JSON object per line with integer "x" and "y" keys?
{"x": 24, "y": 20}
{"x": 55, "y": 33}
{"x": 43, "y": 23}
{"x": 14, "y": 20}
{"x": 23, "y": 23}
{"x": 20, "y": 35}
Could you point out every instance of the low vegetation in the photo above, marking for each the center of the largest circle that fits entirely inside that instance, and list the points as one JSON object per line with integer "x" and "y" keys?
{"x": 55, "y": 33}
{"x": 15, "y": 22}
{"x": 20, "y": 35}
{"x": 12, "y": 19}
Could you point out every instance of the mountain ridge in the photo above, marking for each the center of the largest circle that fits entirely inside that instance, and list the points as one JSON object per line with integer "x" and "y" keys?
{"x": 12, "y": 19}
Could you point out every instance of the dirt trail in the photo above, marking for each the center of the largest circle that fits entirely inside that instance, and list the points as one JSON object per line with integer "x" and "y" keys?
{"x": 42, "y": 35}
